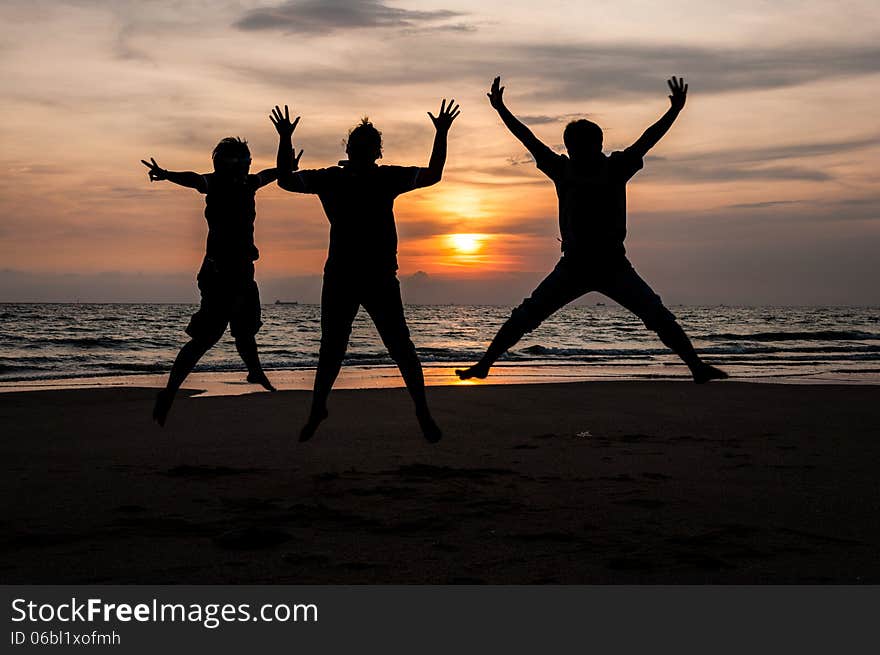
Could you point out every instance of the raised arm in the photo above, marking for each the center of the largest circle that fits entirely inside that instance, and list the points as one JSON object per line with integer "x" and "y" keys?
{"x": 442, "y": 122}
{"x": 287, "y": 161}
{"x": 532, "y": 143}
{"x": 656, "y": 132}
{"x": 186, "y": 178}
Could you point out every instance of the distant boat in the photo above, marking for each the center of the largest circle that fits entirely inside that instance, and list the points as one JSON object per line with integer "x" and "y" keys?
{"x": 286, "y": 302}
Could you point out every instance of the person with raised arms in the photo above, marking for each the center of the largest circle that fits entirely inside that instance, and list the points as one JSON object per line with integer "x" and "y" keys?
{"x": 361, "y": 268}
{"x": 591, "y": 188}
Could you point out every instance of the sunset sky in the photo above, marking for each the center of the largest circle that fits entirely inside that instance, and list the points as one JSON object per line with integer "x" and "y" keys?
{"x": 767, "y": 190}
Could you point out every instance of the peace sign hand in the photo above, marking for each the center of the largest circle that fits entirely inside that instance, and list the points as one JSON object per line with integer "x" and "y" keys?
{"x": 443, "y": 120}
{"x": 156, "y": 173}
{"x": 679, "y": 92}
{"x": 294, "y": 158}
{"x": 282, "y": 122}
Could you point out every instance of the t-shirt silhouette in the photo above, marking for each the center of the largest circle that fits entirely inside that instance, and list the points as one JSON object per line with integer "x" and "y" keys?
{"x": 592, "y": 200}
{"x": 359, "y": 204}
{"x": 230, "y": 210}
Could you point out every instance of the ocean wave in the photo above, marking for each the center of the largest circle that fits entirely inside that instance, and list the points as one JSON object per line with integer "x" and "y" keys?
{"x": 858, "y": 370}
{"x": 52, "y": 341}
{"x": 85, "y": 342}
{"x": 30, "y": 360}
{"x": 16, "y": 368}
{"x": 540, "y": 352}
{"x": 814, "y": 358}
{"x": 818, "y": 335}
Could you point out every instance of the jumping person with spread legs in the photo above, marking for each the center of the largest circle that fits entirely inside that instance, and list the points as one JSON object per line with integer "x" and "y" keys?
{"x": 591, "y": 188}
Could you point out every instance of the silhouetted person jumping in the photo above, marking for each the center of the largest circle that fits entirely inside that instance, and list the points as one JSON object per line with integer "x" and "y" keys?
{"x": 592, "y": 221}
{"x": 361, "y": 268}
{"x": 229, "y": 294}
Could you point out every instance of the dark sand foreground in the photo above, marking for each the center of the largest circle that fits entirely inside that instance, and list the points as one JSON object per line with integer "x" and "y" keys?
{"x": 618, "y": 482}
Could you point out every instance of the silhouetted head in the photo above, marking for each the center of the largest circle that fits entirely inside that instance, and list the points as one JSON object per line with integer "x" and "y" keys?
{"x": 582, "y": 138}
{"x": 364, "y": 144}
{"x": 232, "y": 157}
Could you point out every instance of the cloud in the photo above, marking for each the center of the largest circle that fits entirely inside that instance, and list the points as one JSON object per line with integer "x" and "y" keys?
{"x": 582, "y": 71}
{"x": 777, "y": 253}
{"x": 544, "y": 120}
{"x": 762, "y": 205}
{"x": 327, "y": 16}
{"x": 573, "y": 73}
{"x": 695, "y": 172}
{"x": 451, "y": 27}
{"x": 506, "y": 289}
{"x": 538, "y": 120}
{"x": 794, "y": 151}
{"x": 123, "y": 48}
{"x": 816, "y": 213}
{"x": 532, "y": 226}
{"x": 755, "y": 163}
{"x": 725, "y": 165}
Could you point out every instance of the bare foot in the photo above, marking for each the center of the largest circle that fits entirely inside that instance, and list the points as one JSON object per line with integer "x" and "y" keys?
{"x": 163, "y": 405}
{"x": 430, "y": 429}
{"x": 261, "y": 379}
{"x": 478, "y": 370}
{"x": 316, "y": 417}
{"x": 706, "y": 372}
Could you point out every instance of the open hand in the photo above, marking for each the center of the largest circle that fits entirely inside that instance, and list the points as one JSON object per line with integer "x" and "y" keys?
{"x": 496, "y": 94}
{"x": 443, "y": 120}
{"x": 156, "y": 173}
{"x": 282, "y": 122}
{"x": 679, "y": 92}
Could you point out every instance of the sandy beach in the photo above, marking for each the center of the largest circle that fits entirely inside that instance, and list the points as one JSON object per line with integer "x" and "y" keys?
{"x": 596, "y": 482}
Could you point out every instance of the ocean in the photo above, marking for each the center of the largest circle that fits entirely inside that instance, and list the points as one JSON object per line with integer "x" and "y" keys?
{"x": 795, "y": 344}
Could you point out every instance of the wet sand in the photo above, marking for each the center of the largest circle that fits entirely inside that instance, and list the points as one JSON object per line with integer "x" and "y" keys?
{"x": 597, "y": 482}
{"x": 232, "y": 383}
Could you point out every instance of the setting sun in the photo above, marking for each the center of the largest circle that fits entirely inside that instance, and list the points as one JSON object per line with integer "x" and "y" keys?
{"x": 466, "y": 244}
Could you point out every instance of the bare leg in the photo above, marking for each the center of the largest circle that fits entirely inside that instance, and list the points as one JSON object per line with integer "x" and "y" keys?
{"x": 631, "y": 291}
{"x": 404, "y": 354}
{"x": 674, "y": 337}
{"x": 339, "y": 307}
{"x": 385, "y": 307}
{"x": 565, "y": 283}
{"x": 329, "y": 364}
{"x": 185, "y": 362}
{"x": 507, "y": 337}
{"x": 247, "y": 349}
